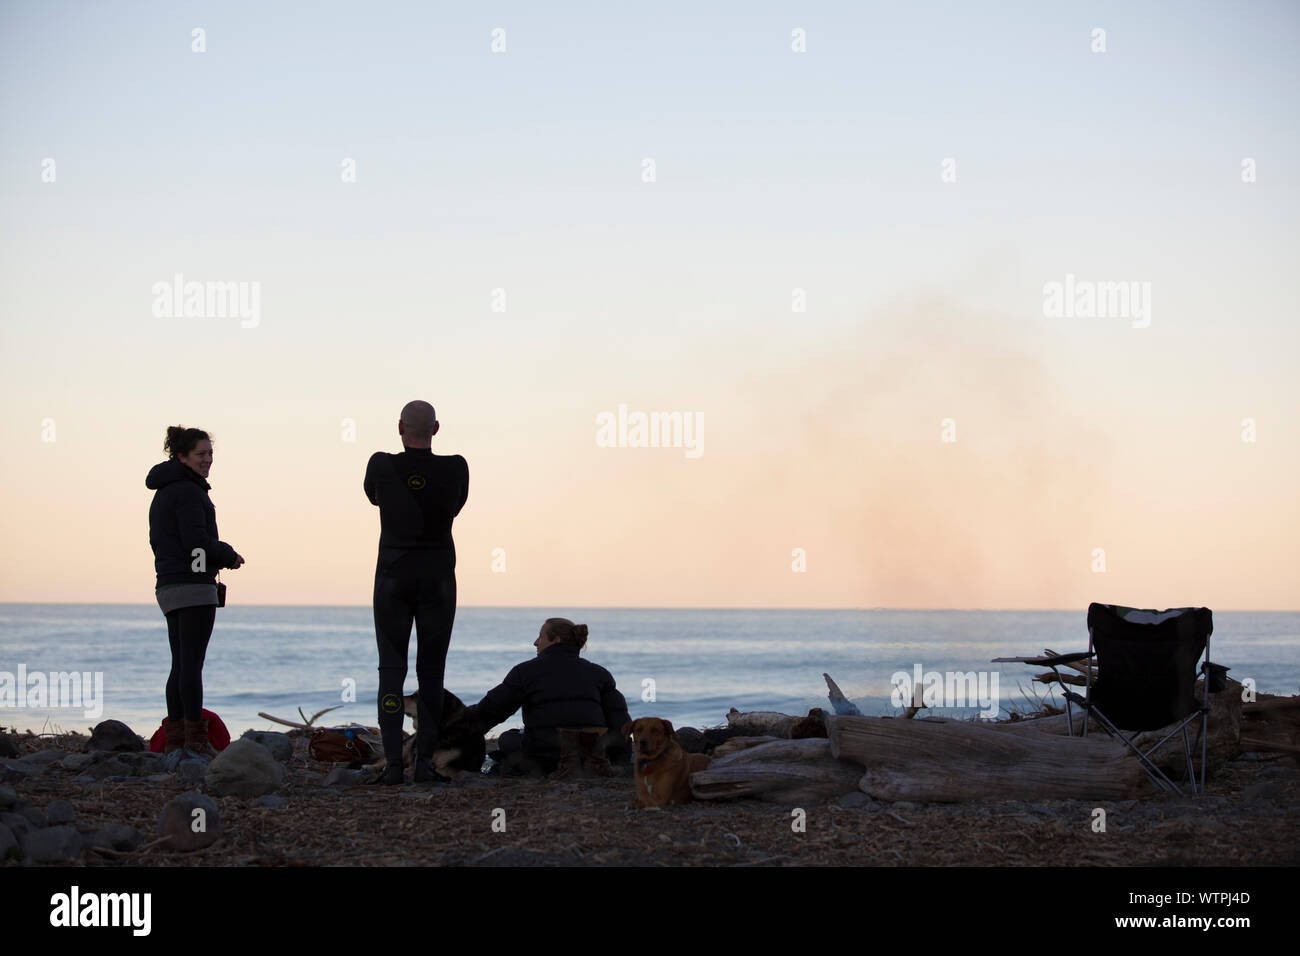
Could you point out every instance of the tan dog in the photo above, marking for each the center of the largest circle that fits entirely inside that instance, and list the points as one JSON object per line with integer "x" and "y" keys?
{"x": 663, "y": 768}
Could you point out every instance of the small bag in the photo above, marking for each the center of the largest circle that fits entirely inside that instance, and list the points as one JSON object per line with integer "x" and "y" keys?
{"x": 221, "y": 592}
{"x": 339, "y": 745}
{"x": 1218, "y": 676}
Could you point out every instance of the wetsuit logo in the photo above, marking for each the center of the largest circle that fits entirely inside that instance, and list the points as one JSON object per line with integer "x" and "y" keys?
{"x": 390, "y": 704}
{"x": 416, "y": 482}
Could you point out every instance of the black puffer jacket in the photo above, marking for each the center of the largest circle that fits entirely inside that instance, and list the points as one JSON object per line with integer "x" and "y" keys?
{"x": 557, "y": 688}
{"x": 182, "y": 518}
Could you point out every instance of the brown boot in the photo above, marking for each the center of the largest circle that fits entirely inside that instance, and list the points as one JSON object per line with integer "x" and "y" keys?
{"x": 570, "y": 767}
{"x": 594, "y": 762}
{"x": 175, "y": 730}
{"x": 196, "y": 738}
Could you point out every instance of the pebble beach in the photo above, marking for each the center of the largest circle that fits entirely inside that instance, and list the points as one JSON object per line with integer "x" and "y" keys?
{"x": 61, "y": 804}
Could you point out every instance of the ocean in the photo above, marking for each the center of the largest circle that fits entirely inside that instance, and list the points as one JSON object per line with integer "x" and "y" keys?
{"x": 689, "y": 666}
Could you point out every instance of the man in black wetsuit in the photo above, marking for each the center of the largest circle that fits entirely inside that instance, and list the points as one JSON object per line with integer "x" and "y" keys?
{"x": 418, "y": 494}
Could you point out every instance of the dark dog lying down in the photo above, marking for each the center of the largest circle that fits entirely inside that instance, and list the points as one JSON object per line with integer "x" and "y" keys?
{"x": 461, "y": 744}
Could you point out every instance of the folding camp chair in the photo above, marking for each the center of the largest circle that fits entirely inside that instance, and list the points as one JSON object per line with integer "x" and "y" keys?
{"x": 1146, "y": 679}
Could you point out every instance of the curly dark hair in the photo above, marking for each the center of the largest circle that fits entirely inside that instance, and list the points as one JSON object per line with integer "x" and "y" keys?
{"x": 181, "y": 440}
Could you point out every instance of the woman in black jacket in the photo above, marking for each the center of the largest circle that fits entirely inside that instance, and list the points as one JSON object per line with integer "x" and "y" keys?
{"x": 557, "y": 689}
{"x": 187, "y": 555}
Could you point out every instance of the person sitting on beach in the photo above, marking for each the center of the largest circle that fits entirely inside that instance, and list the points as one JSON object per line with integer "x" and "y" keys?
{"x": 556, "y": 689}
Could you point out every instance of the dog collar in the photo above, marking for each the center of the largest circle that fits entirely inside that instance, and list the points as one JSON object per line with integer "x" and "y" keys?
{"x": 645, "y": 764}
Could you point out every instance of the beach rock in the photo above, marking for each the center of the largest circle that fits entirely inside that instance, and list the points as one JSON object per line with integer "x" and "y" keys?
{"x": 269, "y": 802}
{"x": 244, "y": 769}
{"x": 83, "y": 779}
{"x": 16, "y": 822}
{"x": 343, "y": 777}
{"x": 116, "y": 836}
{"x": 143, "y": 764}
{"x": 52, "y": 845}
{"x": 7, "y": 747}
{"x": 15, "y": 771}
{"x": 34, "y": 815}
{"x": 77, "y": 762}
{"x": 7, "y": 797}
{"x": 171, "y": 762}
{"x": 855, "y": 801}
{"x": 187, "y": 829}
{"x": 280, "y": 745}
{"x": 112, "y": 767}
{"x": 44, "y": 758}
{"x": 193, "y": 770}
{"x": 114, "y": 735}
{"x": 1265, "y": 790}
{"x": 8, "y": 843}
{"x": 60, "y": 812}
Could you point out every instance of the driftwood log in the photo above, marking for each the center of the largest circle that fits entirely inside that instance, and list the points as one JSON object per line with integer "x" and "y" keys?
{"x": 1268, "y": 703}
{"x": 839, "y": 703}
{"x": 783, "y": 771}
{"x": 768, "y": 723}
{"x": 308, "y": 722}
{"x": 761, "y": 723}
{"x": 1271, "y": 725}
{"x": 737, "y": 744}
{"x": 950, "y": 761}
{"x": 938, "y": 760}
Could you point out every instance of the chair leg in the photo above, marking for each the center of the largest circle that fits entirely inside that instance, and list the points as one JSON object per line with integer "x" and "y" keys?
{"x": 1069, "y": 714}
{"x": 1191, "y": 772}
{"x": 1155, "y": 773}
{"x": 1205, "y": 733}
{"x": 1205, "y": 709}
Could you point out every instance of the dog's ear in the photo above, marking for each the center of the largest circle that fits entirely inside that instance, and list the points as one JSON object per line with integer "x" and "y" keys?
{"x": 668, "y": 727}
{"x": 627, "y": 728}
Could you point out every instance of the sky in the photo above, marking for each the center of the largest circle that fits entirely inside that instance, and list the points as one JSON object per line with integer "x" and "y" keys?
{"x": 825, "y": 234}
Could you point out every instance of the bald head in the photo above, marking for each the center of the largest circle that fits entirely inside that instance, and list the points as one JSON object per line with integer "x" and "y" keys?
{"x": 418, "y": 424}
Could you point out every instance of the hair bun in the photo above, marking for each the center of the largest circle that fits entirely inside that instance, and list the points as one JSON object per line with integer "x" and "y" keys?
{"x": 181, "y": 440}
{"x": 580, "y": 631}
